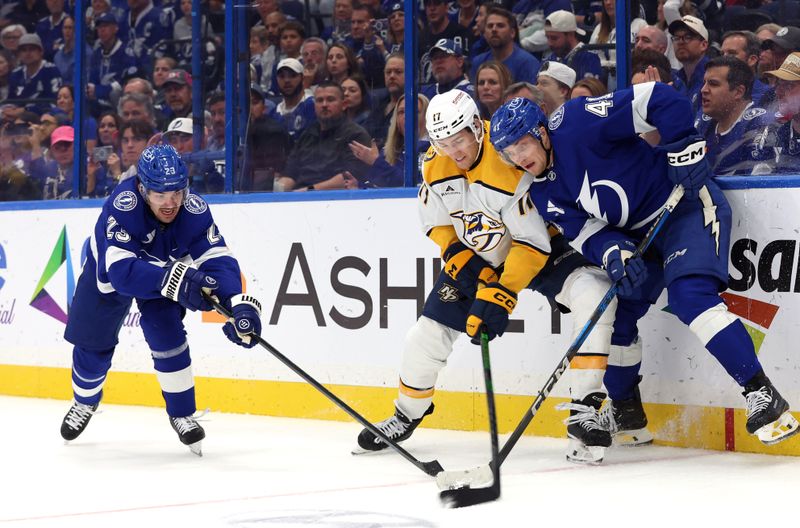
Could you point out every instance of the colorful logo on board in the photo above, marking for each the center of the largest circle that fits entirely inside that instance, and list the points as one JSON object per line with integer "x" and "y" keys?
{"x": 42, "y": 300}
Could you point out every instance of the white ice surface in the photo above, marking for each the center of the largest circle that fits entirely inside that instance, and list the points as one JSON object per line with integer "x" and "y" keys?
{"x": 129, "y": 470}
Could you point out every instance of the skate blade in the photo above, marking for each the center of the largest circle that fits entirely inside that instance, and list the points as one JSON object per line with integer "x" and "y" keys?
{"x": 577, "y": 453}
{"x": 360, "y": 451}
{"x": 779, "y": 430}
{"x": 633, "y": 438}
{"x": 196, "y": 448}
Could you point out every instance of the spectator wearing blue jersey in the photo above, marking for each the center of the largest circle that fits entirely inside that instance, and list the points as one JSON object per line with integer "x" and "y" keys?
{"x": 367, "y": 46}
{"x": 501, "y": 34}
{"x": 438, "y": 27}
{"x": 296, "y": 109}
{"x": 387, "y": 165}
{"x": 745, "y": 46}
{"x": 735, "y": 129}
{"x": 110, "y": 65}
{"x": 690, "y": 40}
{"x": 396, "y": 31}
{"x": 447, "y": 67}
{"x": 177, "y": 89}
{"x": 35, "y": 78}
{"x": 465, "y": 13}
{"x": 54, "y": 176}
{"x": 65, "y": 101}
{"x": 478, "y": 45}
{"x": 141, "y": 29}
{"x": 215, "y": 104}
{"x": 340, "y": 27}
{"x": 787, "y": 90}
{"x": 49, "y": 28}
{"x": 562, "y": 33}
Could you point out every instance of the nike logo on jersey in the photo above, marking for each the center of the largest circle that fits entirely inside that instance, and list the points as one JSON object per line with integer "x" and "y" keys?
{"x": 150, "y": 236}
{"x": 551, "y": 208}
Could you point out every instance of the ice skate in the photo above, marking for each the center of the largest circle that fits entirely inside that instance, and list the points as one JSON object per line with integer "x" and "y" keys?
{"x": 76, "y": 420}
{"x": 768, "y": 415}
{"x": 588, "y": 439}
{"x": 189, "y": 432}
{"x": 626, "y": 421}
{"x": 397, "y": 427}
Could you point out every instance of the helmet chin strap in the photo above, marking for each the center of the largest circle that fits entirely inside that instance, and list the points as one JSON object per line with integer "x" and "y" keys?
{"x": 548, "y": 160}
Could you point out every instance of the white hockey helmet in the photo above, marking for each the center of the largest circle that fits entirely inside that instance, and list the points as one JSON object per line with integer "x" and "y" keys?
{"x": 451, "y": 112}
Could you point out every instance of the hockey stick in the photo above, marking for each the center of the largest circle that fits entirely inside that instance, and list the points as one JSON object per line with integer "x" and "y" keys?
{"x": 431, "y": 468}
{"x": 466, "y": 496}
{"x": 453, "y": 479}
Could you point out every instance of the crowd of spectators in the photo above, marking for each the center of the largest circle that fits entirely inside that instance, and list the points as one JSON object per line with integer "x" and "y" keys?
{"x": 326, "y": 106}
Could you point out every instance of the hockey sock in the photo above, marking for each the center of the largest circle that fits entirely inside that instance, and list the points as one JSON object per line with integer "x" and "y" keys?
{"x": 413, "y": 402}
{"x": 89, "y": 369}
{"x": 695, "y": 301}
{"x": 174, "y": 374}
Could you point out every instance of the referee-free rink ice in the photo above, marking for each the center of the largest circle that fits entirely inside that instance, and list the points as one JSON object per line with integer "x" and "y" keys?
{"x": 129, "y": 470}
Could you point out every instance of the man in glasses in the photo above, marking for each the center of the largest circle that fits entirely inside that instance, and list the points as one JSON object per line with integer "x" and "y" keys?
{"x": 158, "y": 244}
{"x": 690, "y": 42}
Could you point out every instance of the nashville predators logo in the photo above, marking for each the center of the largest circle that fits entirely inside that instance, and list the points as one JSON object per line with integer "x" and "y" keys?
{"x": 480, "y": 231}
{"x": 448, "y": 293}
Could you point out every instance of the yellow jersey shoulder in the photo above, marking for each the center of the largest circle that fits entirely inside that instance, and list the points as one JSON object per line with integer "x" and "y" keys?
{"x": 436, "y": 167}
{"x": 492, "y": 171}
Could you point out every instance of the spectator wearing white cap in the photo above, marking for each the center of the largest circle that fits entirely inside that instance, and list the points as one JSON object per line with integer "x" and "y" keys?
{"x": 690, "y": 41}
{"x": 296, "y": 109}
{"x": 555, "y": 81}
{"x": 447, "y": 67}
{"x": 787, "y": 90}
{"x": 562, "y": 33}
{"x": 35, "y": 78}
{"x": 203, "y": 175}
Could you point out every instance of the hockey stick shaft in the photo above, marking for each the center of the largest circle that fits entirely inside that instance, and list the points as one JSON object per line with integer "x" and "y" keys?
{"x": 458, "y": 498}
{"x": 431, "y": 468}
{"x": 669, "y": 206}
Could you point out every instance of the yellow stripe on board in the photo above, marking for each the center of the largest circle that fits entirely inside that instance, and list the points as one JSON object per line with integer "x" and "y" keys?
{"x": 672, "y": 425}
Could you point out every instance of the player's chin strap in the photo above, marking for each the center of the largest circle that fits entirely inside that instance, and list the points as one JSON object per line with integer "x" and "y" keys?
{"x": 548, "y": 160}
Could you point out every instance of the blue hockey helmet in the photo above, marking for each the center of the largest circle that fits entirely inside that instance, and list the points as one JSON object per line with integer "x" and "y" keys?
{"x": 161, "y": 169}
{"x": 514, "y": 120}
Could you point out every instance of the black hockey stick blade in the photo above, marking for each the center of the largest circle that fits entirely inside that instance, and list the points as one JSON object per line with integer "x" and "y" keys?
{"x": 462, "y": 497}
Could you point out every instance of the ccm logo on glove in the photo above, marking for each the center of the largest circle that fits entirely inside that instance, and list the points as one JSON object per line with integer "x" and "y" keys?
{"x": 688, "y": 156}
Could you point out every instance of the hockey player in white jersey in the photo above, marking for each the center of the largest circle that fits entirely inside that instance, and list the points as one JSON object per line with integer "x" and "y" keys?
{"x": 494, "y": 244}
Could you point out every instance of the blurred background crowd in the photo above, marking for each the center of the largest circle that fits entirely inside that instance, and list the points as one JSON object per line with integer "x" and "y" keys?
{"x": 326, "y": 106}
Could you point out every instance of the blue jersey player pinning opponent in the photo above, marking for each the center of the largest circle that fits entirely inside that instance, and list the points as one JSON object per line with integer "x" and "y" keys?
{"x": 157, "y": 243}
{"x": 603, "y": 186}
{"x": 494, "y": 244}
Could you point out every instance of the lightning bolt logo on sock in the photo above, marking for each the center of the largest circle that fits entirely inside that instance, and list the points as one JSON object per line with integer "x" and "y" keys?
{"x": 710, "y": 214}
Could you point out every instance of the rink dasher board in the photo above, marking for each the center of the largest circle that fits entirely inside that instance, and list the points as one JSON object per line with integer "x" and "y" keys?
{"x": 342, "y": 281}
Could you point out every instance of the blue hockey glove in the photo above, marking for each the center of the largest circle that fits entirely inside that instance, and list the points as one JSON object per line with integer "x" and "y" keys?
{"x": 630, "y": 273}
{"x": 687, "y": 164}
{"x": 468, "y": 270}
{"x": 185, "y": 285}
{"x": 490, "y": 310}
{"x": 246, "y": 320}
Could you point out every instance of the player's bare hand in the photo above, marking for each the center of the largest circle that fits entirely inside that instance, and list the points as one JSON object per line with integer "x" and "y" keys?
{"x": 367, "y": 154}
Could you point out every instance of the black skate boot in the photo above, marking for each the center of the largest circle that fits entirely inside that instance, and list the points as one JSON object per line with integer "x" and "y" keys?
{"x": 626, "y": 421}
{"x": 76, "y": 420}
{"x": 189, "y": 432}
{"x": 588, "y": 439}
{"x": 397, "y": 427}
{"x": 768, "y": 414}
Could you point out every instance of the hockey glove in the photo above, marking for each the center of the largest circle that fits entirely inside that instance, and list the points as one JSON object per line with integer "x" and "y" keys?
{"x": 185, "y": 285}
{"x": 246, "y": 320}
{"x": 629, "y": 273}
{"x": 490, "y": 310}
{"x": 687, "y": 164}
{"x": 468, "y": 270}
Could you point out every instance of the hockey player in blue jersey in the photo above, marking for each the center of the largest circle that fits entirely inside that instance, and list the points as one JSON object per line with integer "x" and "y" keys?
{"x": 603, "y": 186}
{"x": 158, "y": 244}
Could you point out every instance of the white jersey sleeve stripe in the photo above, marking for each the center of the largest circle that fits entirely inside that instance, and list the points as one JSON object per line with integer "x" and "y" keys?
{"x": 214, "y": 252}
{"x": 114, "y": 254}
{"x": 591, "y": 227}
{"x": 641, "y": 98}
